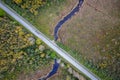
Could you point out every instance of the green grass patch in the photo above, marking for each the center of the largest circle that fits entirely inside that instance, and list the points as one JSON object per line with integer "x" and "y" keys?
{"x": 2, "y": 13}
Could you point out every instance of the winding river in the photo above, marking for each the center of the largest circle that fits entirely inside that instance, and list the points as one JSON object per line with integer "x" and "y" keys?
{"x": 68, "y": 16}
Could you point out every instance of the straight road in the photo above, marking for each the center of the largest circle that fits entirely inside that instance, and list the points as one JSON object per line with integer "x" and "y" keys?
{"x": 50, "y": 43}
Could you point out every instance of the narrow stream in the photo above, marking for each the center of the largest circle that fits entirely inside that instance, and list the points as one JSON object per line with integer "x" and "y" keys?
{"x": 62, "y": 21}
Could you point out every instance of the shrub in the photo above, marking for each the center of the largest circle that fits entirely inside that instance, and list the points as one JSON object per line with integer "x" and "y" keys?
{"x": 12, "y": 40}
{"x": 31, "y": 5}
{"x": 2, "y": 13}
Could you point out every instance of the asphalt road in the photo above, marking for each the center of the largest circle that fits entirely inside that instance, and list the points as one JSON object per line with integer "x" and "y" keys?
{"x": 50, "y": 43}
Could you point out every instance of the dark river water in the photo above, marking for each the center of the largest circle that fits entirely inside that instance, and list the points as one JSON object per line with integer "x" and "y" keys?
{"x": 62, "y": 21}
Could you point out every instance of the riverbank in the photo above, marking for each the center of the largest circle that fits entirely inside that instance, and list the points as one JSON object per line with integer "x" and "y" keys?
{"x": 66, "y": 18}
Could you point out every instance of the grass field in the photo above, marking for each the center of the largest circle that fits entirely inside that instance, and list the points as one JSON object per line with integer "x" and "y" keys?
{"x": 94, "y": 33}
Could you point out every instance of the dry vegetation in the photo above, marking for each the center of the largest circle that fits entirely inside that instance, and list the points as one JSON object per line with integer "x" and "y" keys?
{"x": 94, "y": 32}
